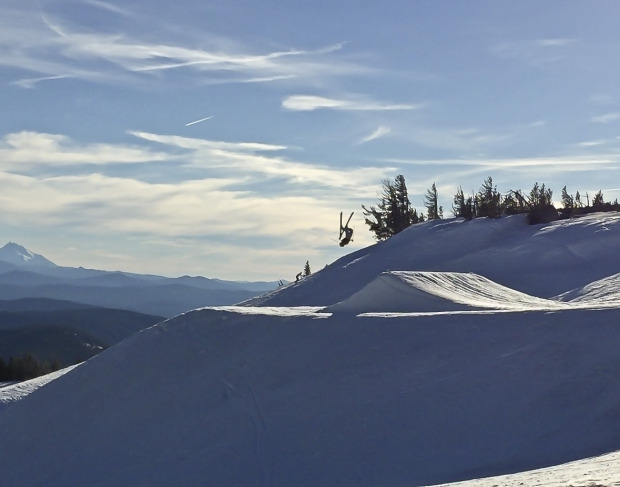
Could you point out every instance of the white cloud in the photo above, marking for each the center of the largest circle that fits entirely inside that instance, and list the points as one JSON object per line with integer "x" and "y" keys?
{"x": 607, "y": 117}
{"x": 32, "y": 82}
{"x": 55, "y": 49}
{"x": 301, "y": 204}
{"x": 558, "y": 42}
{"x": 381, "y": 131}
{"x": 602, "y": 99}
{"x": 200, "y": 211}
{"x": 567, "y": 163}
{"x": 26, "y": 149}
{"x": 195, "y": 144}
{"x": 264, "y": 79}
{"x": 592, "y": 143}
{"x": 536, "y": 52}
{"x": 248, "y": 160}
{"x": 106, "y": 6}
{"x": 538, "y": 123}
{"x": 468, "y": 140}
{"x": 244, "y": 162}
{"x": 311, "y": 102}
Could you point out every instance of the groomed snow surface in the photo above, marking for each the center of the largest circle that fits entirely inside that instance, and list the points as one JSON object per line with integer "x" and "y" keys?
{"x": 452, "y": 352}
{"x": 10, "y": 393}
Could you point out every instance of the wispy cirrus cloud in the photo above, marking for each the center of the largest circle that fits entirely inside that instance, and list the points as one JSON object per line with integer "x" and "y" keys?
{"x": 606, "y": 117}
{"x": 249, "y": 164}
{"x": 257, "y": 191}
{"x": 202, "y": 213}
{"x": 507, "y": 173}
{"x": 107, "y": 6}
{"x": 313, "y": 102}
{"x": 256, "y": 162}
{"x": 205, "y": 144}
{"x": 592, "y": 143}
{"x": 55, "y": 48}
{"x": 537, "y": 52}
{"x": 557, "y": 42}
{"x": 381, "y": 131}
{"x": 30, "y": 150}
{"x": 32, "y": 82}
{"x": 568, "y": 162}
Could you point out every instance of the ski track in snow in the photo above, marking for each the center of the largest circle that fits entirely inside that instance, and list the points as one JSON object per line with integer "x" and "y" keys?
{"x": 256, "y": 419}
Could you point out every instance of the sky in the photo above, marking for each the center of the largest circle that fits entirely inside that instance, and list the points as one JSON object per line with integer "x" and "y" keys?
{"x": 224, "y": 138}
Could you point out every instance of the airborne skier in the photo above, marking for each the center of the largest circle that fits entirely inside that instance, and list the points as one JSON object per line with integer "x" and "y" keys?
{"x": 346, "y": 231}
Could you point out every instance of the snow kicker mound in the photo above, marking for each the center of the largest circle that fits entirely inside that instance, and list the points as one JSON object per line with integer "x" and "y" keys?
{"x": 604, "y": 292}
{"x": 412, "y": 291}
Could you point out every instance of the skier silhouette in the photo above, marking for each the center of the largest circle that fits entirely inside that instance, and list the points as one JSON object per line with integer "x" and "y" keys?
{"x": 348, "y": 234}
{"x": 346, "y": 231}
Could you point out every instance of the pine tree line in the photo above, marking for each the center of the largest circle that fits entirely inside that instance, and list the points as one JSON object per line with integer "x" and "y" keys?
{"x": 394, "y": 212}
{"x": 25, "y": 367}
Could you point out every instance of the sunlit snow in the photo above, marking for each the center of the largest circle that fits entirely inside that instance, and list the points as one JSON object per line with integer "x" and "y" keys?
{"x": 452, "y": 352}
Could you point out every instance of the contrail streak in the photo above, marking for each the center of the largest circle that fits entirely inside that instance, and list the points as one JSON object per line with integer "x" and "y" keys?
{"x": 198, "y": 121}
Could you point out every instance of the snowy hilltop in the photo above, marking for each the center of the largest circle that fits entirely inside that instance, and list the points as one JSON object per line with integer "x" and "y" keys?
{"x": 452, "y": 351}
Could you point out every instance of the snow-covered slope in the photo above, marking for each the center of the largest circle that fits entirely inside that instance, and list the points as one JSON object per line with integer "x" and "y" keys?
{"x": 600, "y": 471}
{"x": 414, "y": 378}
{"x": 603, "y": 291}
{"x": 539, "y": 260}
{"x": 411, "y": 291}
{"x": 414, "y": 292}
{"x": 15, "y": 392}
{"x": 221, "y": 398}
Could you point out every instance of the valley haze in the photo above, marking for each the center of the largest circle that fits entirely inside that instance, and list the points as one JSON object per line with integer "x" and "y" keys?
{"x": 25, "y": 274}
{"x": 451, "y": 352}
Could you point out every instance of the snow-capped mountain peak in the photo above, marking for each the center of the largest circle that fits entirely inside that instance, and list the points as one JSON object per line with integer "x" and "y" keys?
{"x": 17, "y": 255}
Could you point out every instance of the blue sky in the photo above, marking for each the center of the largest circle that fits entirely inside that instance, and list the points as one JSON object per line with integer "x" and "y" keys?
{"x": 301, "y": 109}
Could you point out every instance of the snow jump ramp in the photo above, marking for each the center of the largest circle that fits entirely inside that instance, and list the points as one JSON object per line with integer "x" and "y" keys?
{"x": 421, "y": 292}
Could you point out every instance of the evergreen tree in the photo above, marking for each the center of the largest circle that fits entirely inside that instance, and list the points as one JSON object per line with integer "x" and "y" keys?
{"x": 462, "y": 207}
{"x": 4, "y": 371}
{"x": 515, "y": 202}
{"x": 540, "y": 196}
{"x": 393, "y": 213}
{"x": 25, "y": 367}
{"x": 434, "y": 211}
{"x": 307, "y": 270}
{"x": 568, "y": 202}
{"x": 598, "y": 203}
{"x": 578, "y": 202}
{"x": 488, "y": 200}
{"x": 541, "y": 205}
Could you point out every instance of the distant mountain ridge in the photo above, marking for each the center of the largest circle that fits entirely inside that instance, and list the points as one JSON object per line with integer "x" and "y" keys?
{"x": 25, "y": 274}
{"x": 64, "y": 331}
